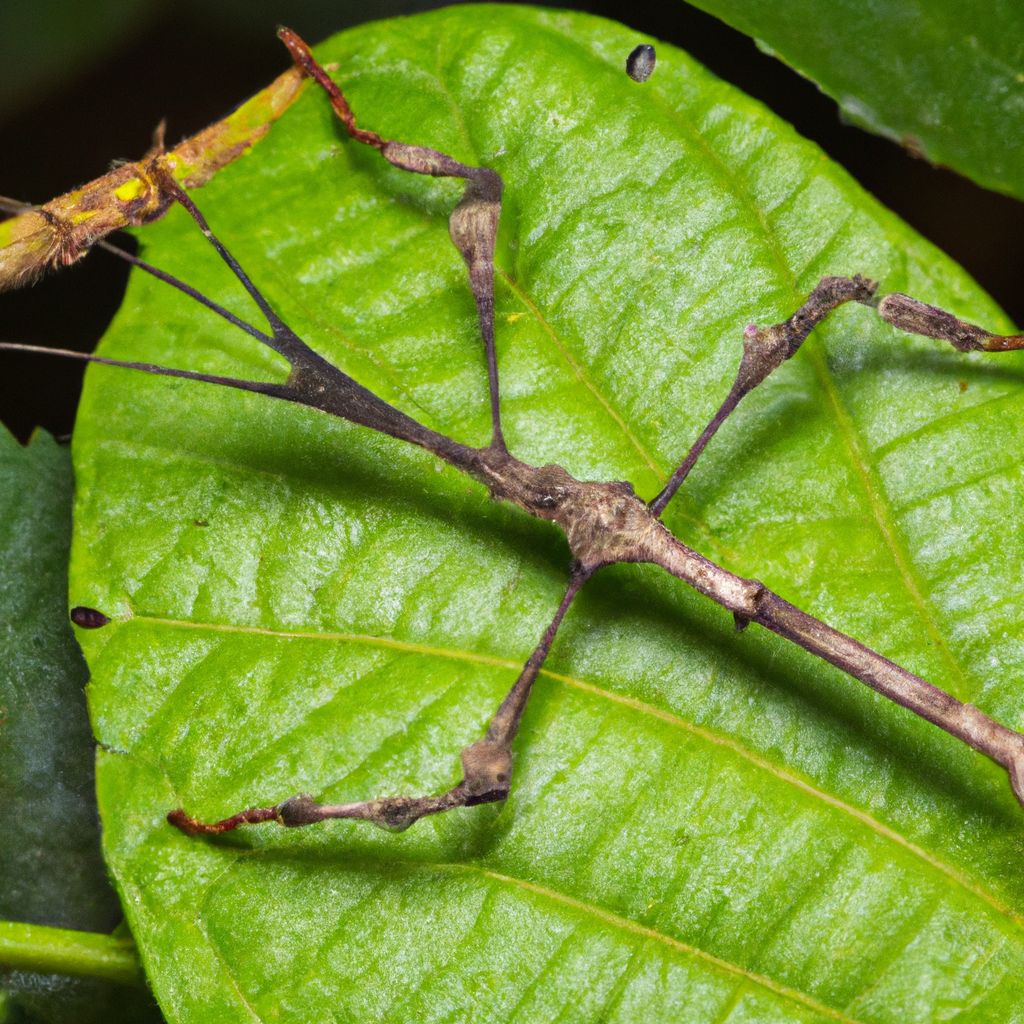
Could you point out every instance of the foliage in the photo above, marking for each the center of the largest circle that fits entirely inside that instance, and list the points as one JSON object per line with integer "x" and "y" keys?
{"x": 943, "y": 79}
{"x": 49, "y": 846}
{"x": 703, "y": 825}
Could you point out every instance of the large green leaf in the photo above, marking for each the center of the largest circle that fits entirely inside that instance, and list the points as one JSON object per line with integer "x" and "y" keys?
{"x": 944, "y": 78}
{"x": 703, "y": 824}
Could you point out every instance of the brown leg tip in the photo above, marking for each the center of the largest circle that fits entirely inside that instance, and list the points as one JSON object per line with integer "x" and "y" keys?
{"x": 184, "y": 822}
{"x": 192, "y": 827}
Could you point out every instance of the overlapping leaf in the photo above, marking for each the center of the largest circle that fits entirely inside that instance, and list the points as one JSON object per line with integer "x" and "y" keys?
{"x": 50, "y": 863}
{"x": 943, "y": 79}
{"x": 704, "y": 826}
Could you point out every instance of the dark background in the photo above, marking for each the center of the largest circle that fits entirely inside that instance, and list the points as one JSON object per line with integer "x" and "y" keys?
{"x": 83, "y": 83}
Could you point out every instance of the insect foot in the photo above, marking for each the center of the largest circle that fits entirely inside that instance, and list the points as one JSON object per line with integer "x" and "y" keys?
{"x": 487, "y": 768}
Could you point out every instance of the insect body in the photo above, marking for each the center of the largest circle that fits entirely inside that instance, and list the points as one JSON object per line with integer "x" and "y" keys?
{"x": 604, "y": 523}
{"x": 242, "y": 709}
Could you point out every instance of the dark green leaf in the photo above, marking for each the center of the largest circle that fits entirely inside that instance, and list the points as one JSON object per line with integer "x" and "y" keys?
{"x": 943, "y": 78}
{"x": 49, "y": 834}
{"x": 703, "y": 825}
{"x": 49, "y": 843}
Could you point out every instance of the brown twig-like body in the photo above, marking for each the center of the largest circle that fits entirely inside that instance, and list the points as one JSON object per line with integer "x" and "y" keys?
{"x": 604, "y": 523}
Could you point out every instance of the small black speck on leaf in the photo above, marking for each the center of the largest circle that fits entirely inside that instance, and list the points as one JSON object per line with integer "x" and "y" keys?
{"x": 640, "y": 63}
{"x": 88, "y": 618}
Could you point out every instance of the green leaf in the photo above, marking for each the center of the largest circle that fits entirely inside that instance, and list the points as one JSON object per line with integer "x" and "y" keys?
{"x": 943, "y": 78}
{"x": 50, "y": 859}
{"x": 703, "y": 824}
{"x": 49, "y": 845}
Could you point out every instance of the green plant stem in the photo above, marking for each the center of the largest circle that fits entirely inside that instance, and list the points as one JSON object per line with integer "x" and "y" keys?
{"x": 33, "y": 947}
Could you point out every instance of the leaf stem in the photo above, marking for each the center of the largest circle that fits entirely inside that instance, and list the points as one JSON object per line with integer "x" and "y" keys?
{"x": 45, "y": 950}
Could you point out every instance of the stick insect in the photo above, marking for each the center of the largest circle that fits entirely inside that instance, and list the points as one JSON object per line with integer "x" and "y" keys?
{"x": 605, "y": 523}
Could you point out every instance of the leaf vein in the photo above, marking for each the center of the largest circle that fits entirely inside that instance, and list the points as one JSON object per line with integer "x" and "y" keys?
{"x": 643, "y": 708}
